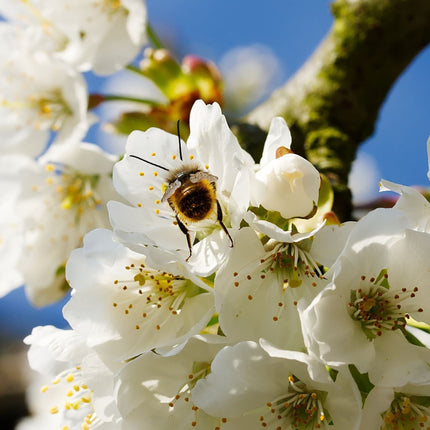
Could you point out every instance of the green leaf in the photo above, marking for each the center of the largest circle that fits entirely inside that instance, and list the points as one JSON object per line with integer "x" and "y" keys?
{"x": 362, "y": 380}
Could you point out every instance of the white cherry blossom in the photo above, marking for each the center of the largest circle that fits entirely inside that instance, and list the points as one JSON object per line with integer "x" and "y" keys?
{"x": 41, "y": 98}
{"x": 155, "y": 391}
{"x": 257, "y": 290}
{"x": 99, "y": 35}
{"x": 379, "y": 282}
{"x": 123, "y": 307}
{"x": 77, "y": 392}
{"x": 254, "y": 387}
{"x": 391, "y": 408}
{"x": 56, "y": 200}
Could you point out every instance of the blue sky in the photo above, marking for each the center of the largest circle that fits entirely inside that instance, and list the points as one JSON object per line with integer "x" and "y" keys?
{"x": 292, "y": 29}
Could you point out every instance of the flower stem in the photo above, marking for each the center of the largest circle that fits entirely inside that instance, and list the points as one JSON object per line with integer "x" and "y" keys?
{"x": 97, "y": 99}
{"x": 156, "y": 41}
{"x": 114, "y": 97}
{"x": 134, "y": 69}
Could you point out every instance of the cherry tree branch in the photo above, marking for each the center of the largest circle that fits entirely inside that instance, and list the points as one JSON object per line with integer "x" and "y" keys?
{"x": 331, "y": 104}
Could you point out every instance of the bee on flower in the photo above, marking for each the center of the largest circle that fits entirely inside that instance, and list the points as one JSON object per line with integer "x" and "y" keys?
{"x": 184, "y": 197}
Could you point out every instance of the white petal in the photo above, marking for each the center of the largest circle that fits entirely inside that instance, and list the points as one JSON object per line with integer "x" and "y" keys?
{"x": 332, "y": 335}
{"x": 279, "y": 135}
{"x": 243, "y": 378}
{"x": 399, "y": 362}
{"x": 329, "y": 242}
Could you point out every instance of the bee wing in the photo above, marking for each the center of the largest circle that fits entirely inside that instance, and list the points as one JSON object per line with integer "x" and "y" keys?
{"x": 198, "y": 176}
{"x": 173, "y": 186}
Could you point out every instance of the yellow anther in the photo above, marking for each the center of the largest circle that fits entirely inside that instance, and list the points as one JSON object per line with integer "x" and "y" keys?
{"x": 368, "y": 304}
{"x": 69, "y": 393}
{"x": 388, "y": 418}
{"x": 70, "y": 377}
{"x": 49, "y": 180}
{"x": 55, "y": 381}
{"x": 140, "y": 277}
{"x": 76, "y": 387}
{"x": 67, "y": 202}
{"x": 54, "y": 410}
{"x": 50, "y": 167}
{"x": 44, "y": 389}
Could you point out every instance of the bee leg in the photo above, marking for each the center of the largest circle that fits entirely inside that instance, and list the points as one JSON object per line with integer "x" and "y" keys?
{"x": 187, "y": 233}
{"x": 219, "y": 217}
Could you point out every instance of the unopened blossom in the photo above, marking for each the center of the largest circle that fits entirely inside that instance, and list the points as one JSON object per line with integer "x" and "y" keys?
{"x": 154, "y": 160}
{"x": 284, "y": 182}
{"x": 123, "y": 307}
{"x": 100, "y": 35}
{"x": 55, "y": 201}
{"x": 255, "y": 387}
{"x": 77, "y": 388}
{"x": 41, "y": 98}
{"x": 155, "y": 391}
{"x": 379, "y": 282}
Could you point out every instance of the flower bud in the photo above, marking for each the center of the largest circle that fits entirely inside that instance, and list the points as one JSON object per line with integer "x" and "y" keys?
{"x": 288, "y": 184}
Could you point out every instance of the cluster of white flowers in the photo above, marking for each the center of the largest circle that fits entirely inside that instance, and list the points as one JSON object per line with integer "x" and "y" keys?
{"x": 54, "y": 186}
{"x": 214, "y": 304}
{"x": 209, "y": 292}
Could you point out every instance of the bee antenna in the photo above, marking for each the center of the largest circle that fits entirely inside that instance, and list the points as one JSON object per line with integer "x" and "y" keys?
{"x": 149, "y": 162}
{"x": 179, "y": 137}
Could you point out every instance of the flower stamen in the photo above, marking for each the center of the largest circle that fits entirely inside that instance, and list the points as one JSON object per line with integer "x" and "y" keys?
{"x": 299, "y": 408}
{"x": 407, "y": 412}
{"x": 377, "y": 307}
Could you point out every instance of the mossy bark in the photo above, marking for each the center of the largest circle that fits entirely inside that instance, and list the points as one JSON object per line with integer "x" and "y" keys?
{"x": 331, "y": 104}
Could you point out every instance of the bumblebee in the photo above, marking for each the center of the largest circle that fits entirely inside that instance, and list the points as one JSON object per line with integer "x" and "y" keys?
{"x": 191, "y": 194}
